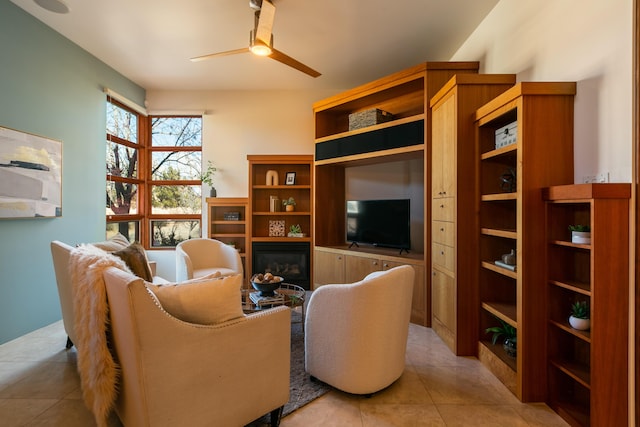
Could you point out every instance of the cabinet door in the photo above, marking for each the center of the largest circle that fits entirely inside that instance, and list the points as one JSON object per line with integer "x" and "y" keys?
{"x": 358, "y": 267}
{"x": 444, "y": 143}
{"x": 419, "y": 301}
{"x": 444, "y": 299}
{"x": 329, "y": 268}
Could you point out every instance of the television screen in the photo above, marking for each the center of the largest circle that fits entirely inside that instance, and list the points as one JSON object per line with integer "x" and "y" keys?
{"x": 379, "y": 222}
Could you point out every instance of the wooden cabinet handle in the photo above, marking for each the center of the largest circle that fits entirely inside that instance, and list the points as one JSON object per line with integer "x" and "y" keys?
{"x": 442, "y": 229}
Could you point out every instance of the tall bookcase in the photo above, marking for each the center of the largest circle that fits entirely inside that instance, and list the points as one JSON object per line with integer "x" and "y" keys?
{"x": 453, "y": 235}
{"x": 588, "y": 370}
{"x": 229, "y": 223}
{"x": 511, "y": 212}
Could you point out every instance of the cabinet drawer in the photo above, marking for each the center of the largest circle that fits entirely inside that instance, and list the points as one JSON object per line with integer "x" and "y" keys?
{"x": 443, "y": 256}
{"x": 443, "y": 209}
{"x": 443, "y": 232}
{"x": 444, "y": 298}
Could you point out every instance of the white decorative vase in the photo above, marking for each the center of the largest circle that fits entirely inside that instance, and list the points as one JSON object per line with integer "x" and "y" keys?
{"x": 581, "y": 237}
{"x": 579, "y": 324}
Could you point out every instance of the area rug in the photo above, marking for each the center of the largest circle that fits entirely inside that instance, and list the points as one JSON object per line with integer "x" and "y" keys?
{"x": 302, "y": 389}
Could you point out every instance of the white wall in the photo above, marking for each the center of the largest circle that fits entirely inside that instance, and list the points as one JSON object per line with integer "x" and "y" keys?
{"x": 587, "y": 41}
{"x": 238, "y": 123}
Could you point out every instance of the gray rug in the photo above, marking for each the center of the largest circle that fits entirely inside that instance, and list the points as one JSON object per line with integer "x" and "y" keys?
{"x": 302, "y": 390}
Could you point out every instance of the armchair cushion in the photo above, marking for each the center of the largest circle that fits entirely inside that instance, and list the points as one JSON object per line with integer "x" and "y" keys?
{"x": 136, "y": 259}
{"x": 112, "y": 244}
{"x": 203, "y": 301}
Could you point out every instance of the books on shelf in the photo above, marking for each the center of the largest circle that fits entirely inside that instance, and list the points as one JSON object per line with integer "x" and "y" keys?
{"x": 503, "y": 265}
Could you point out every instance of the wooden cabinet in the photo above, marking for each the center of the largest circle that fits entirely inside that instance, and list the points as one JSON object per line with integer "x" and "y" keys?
{"x": 341, "y": 265}
{"x": 266, "y": 219}
{"x": 405, "y": 95}
{"x": 588, "y": 370}
{"x": 454, "y": 221}
{"x": 228, "y": 222}
{"x": 511, "y": 218}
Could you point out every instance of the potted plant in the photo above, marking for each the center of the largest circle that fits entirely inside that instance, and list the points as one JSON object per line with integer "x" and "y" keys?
{"x": 295, "y": 231}
{"x": 289, "y": 204}
{"x": 207, "y": 178}
{"x": 580, "y": 234}
{"x": 579, "y": 318}
{"x": 509, "y": 335}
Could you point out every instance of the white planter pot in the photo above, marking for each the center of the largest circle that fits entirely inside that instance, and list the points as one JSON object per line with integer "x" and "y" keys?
{"x": 579, "y": 324}
{"x": 582, "y": 237}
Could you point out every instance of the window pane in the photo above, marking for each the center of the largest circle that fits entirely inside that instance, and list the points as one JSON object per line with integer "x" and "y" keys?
{"x": 121, "y": 160}
{"x": 129, "y": 229}
{"x": 122, "y": 198}
{"x": 122, "y": 123}
{"x": 176, "y": 199}
{"x": 170, "y": 233}
{"x": 176, "y": 131}
{"x": 175, "y": 165}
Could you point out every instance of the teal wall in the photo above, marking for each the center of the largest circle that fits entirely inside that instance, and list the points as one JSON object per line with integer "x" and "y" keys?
{"x": 51, "y": 87}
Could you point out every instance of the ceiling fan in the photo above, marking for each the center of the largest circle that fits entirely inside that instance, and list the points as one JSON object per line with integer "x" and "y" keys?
{"x": 261, "y": 39}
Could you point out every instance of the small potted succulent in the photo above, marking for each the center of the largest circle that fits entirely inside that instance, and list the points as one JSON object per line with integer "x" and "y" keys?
{"x": 295, "y": 231}
{"x": 508, "y": 333}
{"x": 579, "y": 318}
{"x": 289, "y": 204}
{"x": 580, "y": 234}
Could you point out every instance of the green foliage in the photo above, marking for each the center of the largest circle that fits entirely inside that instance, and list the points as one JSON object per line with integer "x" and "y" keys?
{"x": 580, "y": 228}
{"x": 207, "y": 176}
{"x": 289, "y": 201}
{"x": 295, "y": 228}
{"x": 504, "y": 330}
{"x": 580, "y": 310}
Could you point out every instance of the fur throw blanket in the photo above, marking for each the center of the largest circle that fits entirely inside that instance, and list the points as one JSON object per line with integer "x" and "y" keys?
{"x": 98, "y": 371}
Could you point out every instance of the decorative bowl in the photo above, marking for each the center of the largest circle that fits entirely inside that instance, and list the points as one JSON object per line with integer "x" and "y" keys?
{"x": 266, "y": 288}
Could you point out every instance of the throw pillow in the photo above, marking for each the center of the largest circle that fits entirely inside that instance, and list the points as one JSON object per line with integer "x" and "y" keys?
{"x": 115, "y": 243}
{"x": 202, "y": 301}
{"x": 136, "y": 259}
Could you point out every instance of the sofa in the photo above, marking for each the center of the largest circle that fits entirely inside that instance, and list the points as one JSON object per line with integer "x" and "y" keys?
{"x": 60, "y": 253}
{"x": 165, "y": 354}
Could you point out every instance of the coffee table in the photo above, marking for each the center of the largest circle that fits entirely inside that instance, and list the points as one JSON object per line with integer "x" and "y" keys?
{"x": 287, "y": 294}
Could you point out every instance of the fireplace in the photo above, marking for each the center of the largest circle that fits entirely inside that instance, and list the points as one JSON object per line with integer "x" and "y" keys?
{"x": 287, "y": 259}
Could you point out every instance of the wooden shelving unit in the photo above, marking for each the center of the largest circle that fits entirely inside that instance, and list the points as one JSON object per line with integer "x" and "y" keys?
{"x": 454, "y": 246}
{"x": 542, "y": 155}
{"x": 405, "y": 95}
{"x": 587, "y": 370}
{"x": 230, "y": 231}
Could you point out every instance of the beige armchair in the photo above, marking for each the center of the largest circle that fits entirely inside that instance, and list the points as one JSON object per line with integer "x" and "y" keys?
{"x": 200, "y": 257}
{"x": 175, "y": 373}
{"x": 356, "y": 334}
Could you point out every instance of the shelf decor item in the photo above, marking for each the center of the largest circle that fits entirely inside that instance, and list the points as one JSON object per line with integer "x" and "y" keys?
{"x": 295, "y": 231}
{"x": 289, "y": 204}
{"x": 276, "y": 228}
{"x": 291, "y": 178}
{"x": 272, "y": 177}
{"x": 509, "y": 335}
{"x": 207, "y": 178}
{"x": 579, "y": 318}
{"x": 580, "y": 234}
{"x": 366, "y": 118}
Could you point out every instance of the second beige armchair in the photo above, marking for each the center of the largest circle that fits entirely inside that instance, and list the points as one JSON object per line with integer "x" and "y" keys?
{"x": 201, "y": 257}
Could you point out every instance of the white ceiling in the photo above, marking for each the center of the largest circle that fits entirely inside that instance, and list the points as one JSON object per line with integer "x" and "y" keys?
{"x": 349, "y": 41}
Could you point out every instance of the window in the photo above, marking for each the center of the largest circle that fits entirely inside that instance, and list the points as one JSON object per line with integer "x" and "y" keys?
{"x": 175, "y": 186}
{"x": 154, "y": 165}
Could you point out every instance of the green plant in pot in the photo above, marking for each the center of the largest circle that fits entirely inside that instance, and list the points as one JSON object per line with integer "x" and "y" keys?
{"x": 295, "y": 231}
{"x": 509, "y": 335}
{"x": 580, "y": 234}
{"x": 207, "y": 177}
{"x": 579, "y": 318}
{"x": 289, "y": 204}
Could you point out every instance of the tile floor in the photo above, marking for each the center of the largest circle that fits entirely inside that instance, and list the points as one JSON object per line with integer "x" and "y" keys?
{"x": 39, "y": 386}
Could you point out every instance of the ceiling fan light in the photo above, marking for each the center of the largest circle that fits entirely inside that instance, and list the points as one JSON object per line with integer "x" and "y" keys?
{"x": 260, "y": 49}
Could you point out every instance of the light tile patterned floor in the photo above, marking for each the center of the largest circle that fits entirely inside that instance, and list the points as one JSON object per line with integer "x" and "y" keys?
{"x": 39, "y": 386}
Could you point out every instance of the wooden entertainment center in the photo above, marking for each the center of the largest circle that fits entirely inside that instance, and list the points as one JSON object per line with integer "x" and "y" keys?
{"x": 405, "y": 95}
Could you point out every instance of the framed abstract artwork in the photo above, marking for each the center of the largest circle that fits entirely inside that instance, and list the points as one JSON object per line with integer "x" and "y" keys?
{"x": 30, "y": 175}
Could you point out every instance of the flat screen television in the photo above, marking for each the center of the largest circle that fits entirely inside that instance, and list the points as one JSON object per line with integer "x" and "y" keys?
{"x": 384, "y": 223}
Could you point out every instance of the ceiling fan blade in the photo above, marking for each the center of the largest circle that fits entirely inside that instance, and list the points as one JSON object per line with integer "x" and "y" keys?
{"x": 287, "y": 60}
{"x": 213, "y": 55}
{"x": 265, "y": 22}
